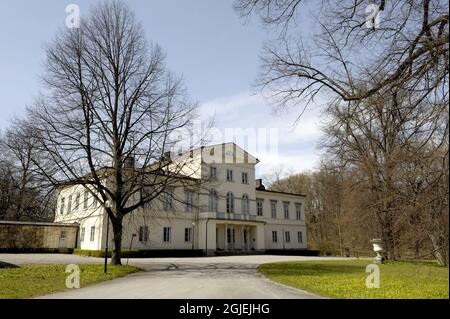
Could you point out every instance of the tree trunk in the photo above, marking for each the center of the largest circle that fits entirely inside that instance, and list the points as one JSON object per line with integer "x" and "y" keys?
{"x": 117, "y": 234}
{"x": 437, "y": 251}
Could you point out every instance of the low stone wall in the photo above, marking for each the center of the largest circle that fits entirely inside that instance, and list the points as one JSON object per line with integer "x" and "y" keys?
{"x": 27, "y": 237}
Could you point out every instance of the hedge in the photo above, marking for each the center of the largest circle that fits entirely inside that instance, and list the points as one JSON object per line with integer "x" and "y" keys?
{"x": 143, "y": 253}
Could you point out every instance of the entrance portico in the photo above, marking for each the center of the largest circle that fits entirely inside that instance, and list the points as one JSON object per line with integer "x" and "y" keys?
{"x": 223, "y": 235}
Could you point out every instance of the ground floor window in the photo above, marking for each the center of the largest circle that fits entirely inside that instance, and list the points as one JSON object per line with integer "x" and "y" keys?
{"x": 287, "y": 236}
{"x": 274, "y": 236}
{"x": 62, "y": 236}
{"x": 231, "y": 235}
{"x": 167, "y": 234}
{"x": 300, "y": 237}
{"x": 92, "y": 233}
{"x": 188, "y": 235}
{"x": 143, "y": 233}
{"x": 82, "y": 233}
{"x": 245, "y": 236}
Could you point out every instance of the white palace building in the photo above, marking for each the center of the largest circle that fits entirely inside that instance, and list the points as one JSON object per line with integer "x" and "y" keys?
{"x": 231, "y": 213}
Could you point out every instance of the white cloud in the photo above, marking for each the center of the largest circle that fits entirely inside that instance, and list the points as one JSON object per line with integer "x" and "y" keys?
{"x": 296, "y": 142}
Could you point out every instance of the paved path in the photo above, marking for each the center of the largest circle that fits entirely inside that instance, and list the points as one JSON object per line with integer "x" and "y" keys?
{"x": 229, "y": 277}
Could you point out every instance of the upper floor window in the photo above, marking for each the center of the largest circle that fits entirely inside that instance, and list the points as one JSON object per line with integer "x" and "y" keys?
{"x": 69, "y": 204}
{"x": 229, "y": 175}
{"x": 213, "y": 201}
{"x": 168, "y": 199}
{"x": 286, "y": 210}
{"x": 244, "y": 178}
{"x": 245, "y": 204}
{"x": 212, "y": 172}
{"x": 189, "y": 201}
{"x": 230, "y": 202}
{"x": 273, "y": 209}
{"x": 143, "y": 233}
{"x": 85, "y": 199}
{"x": 167, "y": 234}
{"x": 62, "y": 206}
{"x": 259, "y": 207}
{"x": 77, "y": 201}
{"x": 298, "y": 211}
{"x": 94, "y": 201}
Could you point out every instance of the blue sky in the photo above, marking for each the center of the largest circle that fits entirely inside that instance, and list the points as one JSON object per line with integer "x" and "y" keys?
{"x": 205, "y": 41}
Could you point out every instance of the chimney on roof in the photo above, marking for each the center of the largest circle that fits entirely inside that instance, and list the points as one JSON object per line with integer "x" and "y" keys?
{"x": 259, "y": 184}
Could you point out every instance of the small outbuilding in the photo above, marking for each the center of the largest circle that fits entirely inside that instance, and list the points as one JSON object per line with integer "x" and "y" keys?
{"x": 18, "y": 236}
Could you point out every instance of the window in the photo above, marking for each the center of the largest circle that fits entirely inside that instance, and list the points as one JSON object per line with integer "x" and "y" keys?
{"x": 245, "y": 236}
{"x": 61, "y": 207}
{"x": 94, "y": 201}
{"x": 245, "y": 204}
{"x": 244, "y": 178}
{"x": 188, "y": 235}
{"x": 69, "y": 204}
{"x": 212, "y": 172}
{"x": 86, "y": 198}
{"x": 259, "y": 207}
{"x": 298, "y": 211}
{"x": 189, "y": 201}
{"x": 287, "y": 236}
{"x": 300, "y": 237}
{"x": 168, "y": 199}
{"x": 167, "y": 234}
{"x": 62, "y": 235}
{"x": 213, "y": 201}
{"x": 82, "y": 233}
{"x": 231, "y": 235}
{"x": 147, "y": 193}
{"x": 274, "y": 236}
{"x": 143, "y": 233}
{"x": 273, "y": 208}
{"x": 230, "y": 202}
{"x": 77, "y": 201}
{"x": 229, "y": 175}
{"x": 286, "y": 210}
{"x": 92, "y": 233}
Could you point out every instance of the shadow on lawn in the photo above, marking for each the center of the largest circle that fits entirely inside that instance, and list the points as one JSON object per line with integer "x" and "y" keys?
{"x": 7, "y": 265}
{"x": 312, "y": 269}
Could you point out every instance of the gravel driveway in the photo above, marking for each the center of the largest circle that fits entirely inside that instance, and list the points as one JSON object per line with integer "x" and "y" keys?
{"x": 229, "y": 277}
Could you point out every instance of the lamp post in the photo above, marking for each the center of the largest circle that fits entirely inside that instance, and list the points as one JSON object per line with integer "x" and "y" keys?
{"x": 107, "y": 205}
{"x": 193, "y": 235}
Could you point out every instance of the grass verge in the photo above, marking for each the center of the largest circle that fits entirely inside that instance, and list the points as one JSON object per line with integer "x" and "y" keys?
{"x": 346, "y": 279}
{"x": 36, "y": 280}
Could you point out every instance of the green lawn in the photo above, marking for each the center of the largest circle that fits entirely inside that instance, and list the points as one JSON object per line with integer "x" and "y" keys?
{"x": 35, "y": 280}
{"x": 346, "y": 279}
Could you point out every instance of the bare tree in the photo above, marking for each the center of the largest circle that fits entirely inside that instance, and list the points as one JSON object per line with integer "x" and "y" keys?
{"x": 28, "y": 196}
{"x": 379, "y": 138}
{"x": 109, "y": 114}
{"x": 354, "y": 55}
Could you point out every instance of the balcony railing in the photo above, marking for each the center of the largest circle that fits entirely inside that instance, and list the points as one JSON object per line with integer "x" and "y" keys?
{"x": 232, "y": 216}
